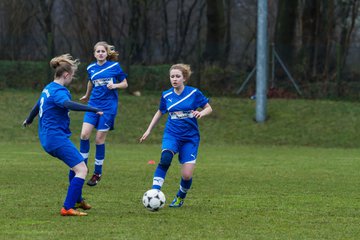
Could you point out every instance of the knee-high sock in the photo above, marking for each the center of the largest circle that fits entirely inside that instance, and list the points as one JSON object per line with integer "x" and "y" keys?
{"x": 99, "y": 158}
{"x": 73, "y": 193}
{"x": 162, "y": 168}
{"x": 84, "y": 149}
{"x": 185, "y": 186}
{"x": 159, "y": 176}
{"x": 71, "y": 176}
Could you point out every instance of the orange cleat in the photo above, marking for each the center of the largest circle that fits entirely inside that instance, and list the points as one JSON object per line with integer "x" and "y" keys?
{"x": 83, "y": 205}
{"x": 71, "y": 212}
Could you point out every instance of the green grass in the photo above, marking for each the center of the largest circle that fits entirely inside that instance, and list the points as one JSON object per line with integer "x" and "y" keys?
{"x": 239, "y": 192}
{"x": 294, "y": 177}
{"x": 291, "y": 122}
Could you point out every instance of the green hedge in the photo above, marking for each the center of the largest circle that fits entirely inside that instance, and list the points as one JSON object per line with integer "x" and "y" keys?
{"x": 212, "y": 80}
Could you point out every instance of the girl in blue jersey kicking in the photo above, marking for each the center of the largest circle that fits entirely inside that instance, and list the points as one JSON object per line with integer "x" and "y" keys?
{"x": 105, "y": 78}
{"x": 181, "y": 134}
{"x": 54, "y": 133}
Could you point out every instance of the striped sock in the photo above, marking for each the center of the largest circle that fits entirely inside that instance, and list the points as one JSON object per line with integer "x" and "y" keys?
{"x": 99, "y": 158}
{"x": 159, "y": 176}
{"x": 185, "y": 186}
{"x": 84, "y": 149}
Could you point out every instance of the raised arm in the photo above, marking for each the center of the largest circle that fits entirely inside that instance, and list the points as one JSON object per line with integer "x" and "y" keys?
{"x": 122, "y": 85}
{"x": 152, "y": 124}
{"x": 204, "y": 112}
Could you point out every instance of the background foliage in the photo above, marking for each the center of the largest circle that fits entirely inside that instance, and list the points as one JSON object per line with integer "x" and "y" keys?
{"x": 317, "y": 40}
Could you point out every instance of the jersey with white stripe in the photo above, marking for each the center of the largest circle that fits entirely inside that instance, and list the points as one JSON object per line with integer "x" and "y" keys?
{"x": 181, "y": 123}
{"x": 102, "y": 97}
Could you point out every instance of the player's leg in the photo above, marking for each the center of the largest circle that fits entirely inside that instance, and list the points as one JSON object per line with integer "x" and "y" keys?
{"x": 89, "y": 122}
{"x": 169, "y": 149}
{"x": 71, "y": 156}
{"x": 187, "y": 157}
{"x": 105, "y": 124}
{"x": 162, "y": 168}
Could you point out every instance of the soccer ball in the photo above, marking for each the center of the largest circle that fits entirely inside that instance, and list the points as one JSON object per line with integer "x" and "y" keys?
{"x": 153, "y": 199}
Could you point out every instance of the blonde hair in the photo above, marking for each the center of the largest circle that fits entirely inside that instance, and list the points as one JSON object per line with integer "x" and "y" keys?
{"x": 112, "y": 55}
{"x": 184, "y": 68}
{"x": 64, "y": 63}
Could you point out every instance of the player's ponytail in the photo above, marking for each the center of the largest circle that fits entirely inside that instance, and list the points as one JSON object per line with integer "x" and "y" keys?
{"x": 64, "y": 63}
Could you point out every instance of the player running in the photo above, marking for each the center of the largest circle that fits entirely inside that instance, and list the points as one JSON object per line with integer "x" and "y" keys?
{"x": 181, "y": 134}
{"x": 105, "y": 78}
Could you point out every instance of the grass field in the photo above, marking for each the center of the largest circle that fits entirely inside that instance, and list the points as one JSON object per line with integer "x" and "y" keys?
{"x": 239, "y": 192}
{"x": 294, "y": 177}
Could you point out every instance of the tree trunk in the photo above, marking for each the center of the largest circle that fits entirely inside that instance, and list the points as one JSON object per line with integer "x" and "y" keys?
{"x": 214, "y": 47}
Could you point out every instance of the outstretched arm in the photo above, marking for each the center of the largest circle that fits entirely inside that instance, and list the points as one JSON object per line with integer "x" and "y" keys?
{"x": 81, "y": 107}
{"x": 152, "y": 124}
{"x": 34, "y": 112}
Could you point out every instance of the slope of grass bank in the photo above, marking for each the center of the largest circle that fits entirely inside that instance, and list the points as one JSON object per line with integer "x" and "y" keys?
{"x": 290, "y": 122}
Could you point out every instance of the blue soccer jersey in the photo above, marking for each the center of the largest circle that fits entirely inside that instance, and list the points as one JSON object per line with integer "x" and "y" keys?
{"x": 54, "y": 118}
{"x": 102, "y": 97}
{"x": 181, "y": 123}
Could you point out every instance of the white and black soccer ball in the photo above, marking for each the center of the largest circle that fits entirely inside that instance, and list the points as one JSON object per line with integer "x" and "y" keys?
{"x": 153, "y": 199}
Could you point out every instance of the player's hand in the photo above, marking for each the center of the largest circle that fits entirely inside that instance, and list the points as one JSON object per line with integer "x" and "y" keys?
{"x": 25, "y": 123}
{"x": 100, "y": 113}
{"x": 111, "y": 86}
{"x": 197, "y": 114}
{"x": 84, "y": 98}
{"x": 144, "y": 136}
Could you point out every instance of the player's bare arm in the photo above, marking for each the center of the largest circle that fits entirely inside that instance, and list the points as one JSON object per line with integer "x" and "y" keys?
{"x": 204, "y": 112}
{"x": 152, "y": 124}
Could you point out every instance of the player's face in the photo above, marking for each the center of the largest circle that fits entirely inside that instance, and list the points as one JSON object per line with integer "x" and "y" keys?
{"x": 68, "y": 78}
{"x": 100, "y": 53}
{"x": 176, "y": 78}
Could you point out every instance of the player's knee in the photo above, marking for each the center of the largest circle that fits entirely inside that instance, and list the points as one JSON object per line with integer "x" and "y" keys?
{"x": 166, "y": 158}
{"x": 187, "y": 176}
{"x": 100, "y": 137}
{"x": 85, "y": 135}
{"x": 81, "y": 170}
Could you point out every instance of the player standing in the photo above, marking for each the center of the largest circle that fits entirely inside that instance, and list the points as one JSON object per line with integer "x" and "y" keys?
{"x": 181, "y": 134}
{"x": 54, "y": 133}
{"x": 105, "y": 78}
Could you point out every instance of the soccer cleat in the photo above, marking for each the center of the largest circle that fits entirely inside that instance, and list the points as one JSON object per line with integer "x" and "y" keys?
{"x": 83, "y": 205}
{"x": 177, "y": 202}
{"x": 72, "y": 212}
{"x": 94, "y": 179}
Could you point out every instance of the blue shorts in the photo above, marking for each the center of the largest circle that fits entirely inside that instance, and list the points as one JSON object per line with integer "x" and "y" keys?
{"x": 187, "y": 149}
{"x": 68, "y": 153}
{"x": 104, "y": 122}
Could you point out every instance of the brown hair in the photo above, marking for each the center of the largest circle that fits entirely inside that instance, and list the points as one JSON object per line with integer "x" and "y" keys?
{"x": 112, "y": 55}
{"x": 64, "y": 63}
{"x": 184, "y": 68}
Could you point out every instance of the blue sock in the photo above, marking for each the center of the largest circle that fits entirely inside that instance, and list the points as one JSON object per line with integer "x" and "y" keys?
{"x": 84, "y": 149}
{"x": 74, "y": 191}
{"x": 159, "y": 176}
{"x": 185, "y": 186}
{"x": 71, "y": 176}
{"x": 99, "y": 158}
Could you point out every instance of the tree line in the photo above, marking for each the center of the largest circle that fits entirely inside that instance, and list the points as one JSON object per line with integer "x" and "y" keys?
{"x": 317, "y": 40}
